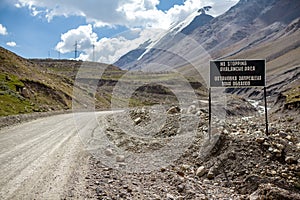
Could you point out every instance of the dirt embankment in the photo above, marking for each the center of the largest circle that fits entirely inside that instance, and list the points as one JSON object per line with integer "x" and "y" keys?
{"x": 240, "y": 161}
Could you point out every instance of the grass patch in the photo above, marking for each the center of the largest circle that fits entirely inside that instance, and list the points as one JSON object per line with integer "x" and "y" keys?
{"x": 10, "y": 105}
{"x": 11, "y": 101}
{"x": 10, "y": 82}
{"x": 293, "y": 95}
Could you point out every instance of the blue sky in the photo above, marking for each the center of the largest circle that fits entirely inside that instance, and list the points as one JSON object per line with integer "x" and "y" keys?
{"x": 42, "y": 28}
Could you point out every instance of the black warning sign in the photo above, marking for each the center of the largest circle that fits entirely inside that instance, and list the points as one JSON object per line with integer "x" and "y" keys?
{"x": 237, "y": 73}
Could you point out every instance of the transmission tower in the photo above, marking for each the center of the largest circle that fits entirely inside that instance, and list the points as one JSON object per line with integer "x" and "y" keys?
{"x": 76, "y": 49}
{"x": 93, "y": 53}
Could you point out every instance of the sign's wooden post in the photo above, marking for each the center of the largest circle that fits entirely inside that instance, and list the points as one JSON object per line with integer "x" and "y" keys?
{"x": 238, "y": 73}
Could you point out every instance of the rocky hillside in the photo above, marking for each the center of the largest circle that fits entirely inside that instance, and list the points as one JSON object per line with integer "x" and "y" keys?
{"x": 39, "y": 85}
{"x": 27, "y": 87}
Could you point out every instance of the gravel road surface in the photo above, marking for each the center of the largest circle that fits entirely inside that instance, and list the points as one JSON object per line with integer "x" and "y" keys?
{"x": 45, "y": 158}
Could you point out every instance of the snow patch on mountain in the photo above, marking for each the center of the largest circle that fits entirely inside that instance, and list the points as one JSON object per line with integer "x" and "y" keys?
{"x": 174, "y": 29}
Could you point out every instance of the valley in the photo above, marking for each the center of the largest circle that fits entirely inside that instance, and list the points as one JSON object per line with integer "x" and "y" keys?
{"x": 139, "y": 128}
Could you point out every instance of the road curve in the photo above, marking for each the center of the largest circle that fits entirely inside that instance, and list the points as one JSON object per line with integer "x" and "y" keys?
{"x": 45, "y": 158}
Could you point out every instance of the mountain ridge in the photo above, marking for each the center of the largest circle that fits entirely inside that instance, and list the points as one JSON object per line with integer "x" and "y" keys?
{"x": 257, "y": 29}
{"x": 235, "y": 28}
{"x": 175, "y": 32}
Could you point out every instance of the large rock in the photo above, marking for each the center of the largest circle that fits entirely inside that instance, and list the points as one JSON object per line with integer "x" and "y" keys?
{"x": 201, "y": 171}
{"x": 25, "y": 92}
{"x": 137, "y": 120}
{"x": 192, "y": 109}
{"x": 290, "y": 159}
{"x": 173, "y": 110}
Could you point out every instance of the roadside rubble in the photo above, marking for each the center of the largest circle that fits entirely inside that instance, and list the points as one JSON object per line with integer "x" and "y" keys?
{"x": 242, "y": 163}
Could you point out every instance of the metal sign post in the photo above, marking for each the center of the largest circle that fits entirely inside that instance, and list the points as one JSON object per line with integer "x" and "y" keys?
{"x": 239, "y": 74}
{"x": 266, "y": 111}
{"x": 209, "y": 111}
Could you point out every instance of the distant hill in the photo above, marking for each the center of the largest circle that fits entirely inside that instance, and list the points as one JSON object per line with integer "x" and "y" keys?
{"x": 39, "y": 85}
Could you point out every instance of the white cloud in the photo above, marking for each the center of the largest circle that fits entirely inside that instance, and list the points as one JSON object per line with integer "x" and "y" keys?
{"x": 109, "y": 50}
{"x": 3, "y": 30}
{"x": 11, "y": 44}
{"x": 106, "y": 50}
{"x": 130, "y": 13}
{"x": 220, "y": 7}
{"x": 83, "y": 35}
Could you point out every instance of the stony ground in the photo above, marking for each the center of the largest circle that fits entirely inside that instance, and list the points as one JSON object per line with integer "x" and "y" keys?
{"x": 240, "y": 162}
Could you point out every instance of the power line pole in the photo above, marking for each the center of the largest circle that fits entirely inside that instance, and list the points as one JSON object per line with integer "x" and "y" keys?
{"x": 76, "y": 49}
{"x": 93, "y": 53}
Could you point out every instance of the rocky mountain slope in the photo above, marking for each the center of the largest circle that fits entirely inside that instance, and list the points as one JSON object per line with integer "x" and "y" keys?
{"x": 257, "y": 29}
{"x": 176, "y": 32}
{"x": 245, "y": 26}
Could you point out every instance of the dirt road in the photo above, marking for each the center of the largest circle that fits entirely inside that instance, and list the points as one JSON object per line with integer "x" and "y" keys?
{"x": 45, "y": 158}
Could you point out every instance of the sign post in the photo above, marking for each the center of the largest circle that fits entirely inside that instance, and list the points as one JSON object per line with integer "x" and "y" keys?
{"x": 266, "y": 111}
{"x": 238, "y": 73}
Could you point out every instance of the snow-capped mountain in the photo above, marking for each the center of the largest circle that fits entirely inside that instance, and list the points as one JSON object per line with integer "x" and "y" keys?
{"x": 249, "y": 25}
{"x": 193, "y": 21}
